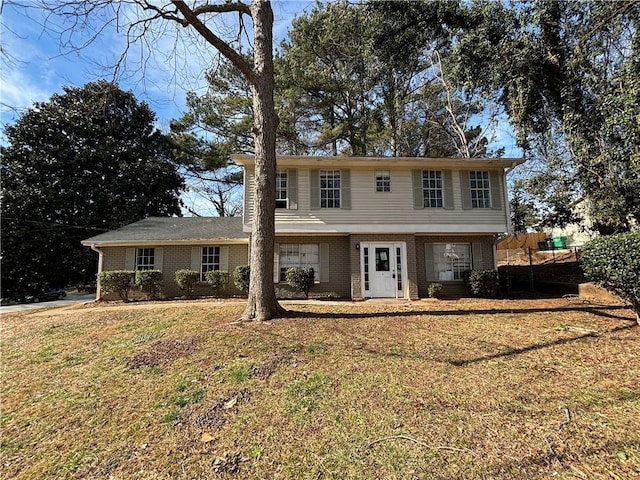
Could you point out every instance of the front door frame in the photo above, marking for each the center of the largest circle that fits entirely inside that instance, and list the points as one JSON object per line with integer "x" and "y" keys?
{"x": 399, "y": 269}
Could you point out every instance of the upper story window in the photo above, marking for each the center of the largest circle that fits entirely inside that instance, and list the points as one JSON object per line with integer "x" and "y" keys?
{"x": 282, "y": 183}
{"x": 383, "y": 181}
{"x": 145, "y": 258}
{"x": 210, "y": 261}
{"x": 432, "y": 189}
{"x": 480, "y": 189}
{"x": 330, "y": 188}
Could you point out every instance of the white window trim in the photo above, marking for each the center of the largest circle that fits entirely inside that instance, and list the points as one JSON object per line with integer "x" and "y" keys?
{"x": 279, "y": 175}
{"x": 383, "y": 181}
{"x": 337, "y": 199}
{"x": 426, "y": 191}
{"x": 486, "y": 199}
{"x": 451, "y": 246}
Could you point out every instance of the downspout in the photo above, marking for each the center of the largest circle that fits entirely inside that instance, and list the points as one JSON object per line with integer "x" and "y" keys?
{"x": 100, "y": 257}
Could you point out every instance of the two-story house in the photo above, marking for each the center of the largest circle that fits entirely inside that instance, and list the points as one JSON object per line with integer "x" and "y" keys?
{"x": 369, "y": 227}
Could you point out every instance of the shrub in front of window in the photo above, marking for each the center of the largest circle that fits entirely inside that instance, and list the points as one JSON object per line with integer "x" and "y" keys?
{"x": 241, "y": 277}
{"x": 186, "y": 280}
{"x": 150, "y": 282}
{"x": 434, "y": 290}
{"x": 117, "y": 281}
{"x": 481, "y": 283}
{"x": 218, "y": 279}
{"x": 613, "y": 262}
{"x": 301, "y": 279}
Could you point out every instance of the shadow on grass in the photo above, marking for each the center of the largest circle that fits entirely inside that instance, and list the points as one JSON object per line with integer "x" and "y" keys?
{"x": 599, "y": 311}
{"x": 538, "y": 346}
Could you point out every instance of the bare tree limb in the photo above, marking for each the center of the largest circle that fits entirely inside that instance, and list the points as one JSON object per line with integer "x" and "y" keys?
{"x": 191, "y": 18}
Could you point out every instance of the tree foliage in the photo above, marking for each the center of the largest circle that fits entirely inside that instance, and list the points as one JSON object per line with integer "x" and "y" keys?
{"x": 86, "y": 161}
{"x": 567, "y": 74}
{"x": 339, "y": 90}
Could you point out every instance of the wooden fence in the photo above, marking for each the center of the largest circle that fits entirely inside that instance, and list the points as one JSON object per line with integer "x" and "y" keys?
{"x": 521, "y": 241}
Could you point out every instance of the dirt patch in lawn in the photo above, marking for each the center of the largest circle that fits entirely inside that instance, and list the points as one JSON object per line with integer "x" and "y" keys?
{"x": 164, "y": 351}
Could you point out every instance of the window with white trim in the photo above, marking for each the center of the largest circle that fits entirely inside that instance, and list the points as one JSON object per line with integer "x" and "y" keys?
{"x": 432, "y": 189}
{"x": 383, "y": 181}
{"x": 451, "y": 259}
{"x": 210, "y": 261}
{"x": 480, "y": 189}
{"x": 282, "y": 183}
{"x": 330, "y": 188}
{"x": 305, "y": 255}
{"x": 145, "y": 258}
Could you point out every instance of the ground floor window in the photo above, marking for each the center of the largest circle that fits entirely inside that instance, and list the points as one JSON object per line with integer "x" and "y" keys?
{"x": 145, "y": 258}
{"x": 210, "y": 261}
{"x": 451, "y": 259}
{"x": 299, "y": 255}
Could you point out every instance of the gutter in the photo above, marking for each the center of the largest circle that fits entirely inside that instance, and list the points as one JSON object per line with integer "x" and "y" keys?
{"x": 100, "y": 258}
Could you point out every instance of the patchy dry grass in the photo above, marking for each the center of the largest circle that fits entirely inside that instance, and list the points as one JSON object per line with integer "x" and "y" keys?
{"x": 433, "y": 389}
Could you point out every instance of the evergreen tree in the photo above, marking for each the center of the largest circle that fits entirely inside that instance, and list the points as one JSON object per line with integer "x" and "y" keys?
{"x": 86, "y": 161}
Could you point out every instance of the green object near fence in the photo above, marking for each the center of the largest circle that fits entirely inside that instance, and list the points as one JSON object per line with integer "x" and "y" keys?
{"x": 559, "y": 242}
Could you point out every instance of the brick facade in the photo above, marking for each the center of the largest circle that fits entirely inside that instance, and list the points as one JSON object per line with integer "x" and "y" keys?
{"x": 344, "y": 264}
{"x": 177, "y": 257}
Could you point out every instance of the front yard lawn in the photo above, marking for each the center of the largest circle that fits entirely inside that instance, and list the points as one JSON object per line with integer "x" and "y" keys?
{"x": 469, "y": 389}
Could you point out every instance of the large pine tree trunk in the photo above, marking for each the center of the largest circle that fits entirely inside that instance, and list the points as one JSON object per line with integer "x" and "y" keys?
{"x": 262, "y": 303}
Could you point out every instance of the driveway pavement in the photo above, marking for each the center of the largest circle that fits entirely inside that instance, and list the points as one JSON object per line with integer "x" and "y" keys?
{"x": 68, "y": 300}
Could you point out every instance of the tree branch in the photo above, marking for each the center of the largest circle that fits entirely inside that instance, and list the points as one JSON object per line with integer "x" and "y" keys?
{"x": 191, "y": 18}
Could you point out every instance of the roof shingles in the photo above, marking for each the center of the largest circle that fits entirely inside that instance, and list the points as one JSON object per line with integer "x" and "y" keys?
{"x": 173, "y": 229}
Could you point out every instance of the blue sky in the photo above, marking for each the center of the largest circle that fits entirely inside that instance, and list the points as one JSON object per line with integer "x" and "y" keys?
{"x": 38, "y": 61}
{"x": 37, "y": 64}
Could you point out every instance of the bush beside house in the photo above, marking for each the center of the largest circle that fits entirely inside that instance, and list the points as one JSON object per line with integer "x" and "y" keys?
{"x": 218, "y": 280}
{"x": 118, "y": 282}
{"x": 149, "y": 282}
{"x": 186, "y": 280}
{"x": 481, "y": 283}
{"x": 613, "y": 262}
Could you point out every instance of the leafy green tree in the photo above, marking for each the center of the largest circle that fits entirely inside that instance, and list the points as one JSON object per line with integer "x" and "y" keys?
{"x": 567, "y": 75}
{"x": 86, "y": 161}
{"x": 345, "y": 88}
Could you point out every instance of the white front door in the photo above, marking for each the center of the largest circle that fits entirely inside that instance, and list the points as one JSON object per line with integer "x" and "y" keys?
{"x": 384, "y": 267}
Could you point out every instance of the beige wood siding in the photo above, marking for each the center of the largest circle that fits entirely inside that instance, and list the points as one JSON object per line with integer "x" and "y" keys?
{"x": 369, "y": 207}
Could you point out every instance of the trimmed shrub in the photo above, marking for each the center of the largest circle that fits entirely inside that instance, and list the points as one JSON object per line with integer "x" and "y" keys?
{"x": 117, "y": 281}
{"x": 150, "y": 282}
{"x": 186, "y": 280}
{"x": 613, "y": 262}
{"x": 301, "y": 279}
{"x": 241, "y": 276}
{"x": 481, "y": 283}
{"x": 218, "y": 279}
{"x": 434, "y": 289}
